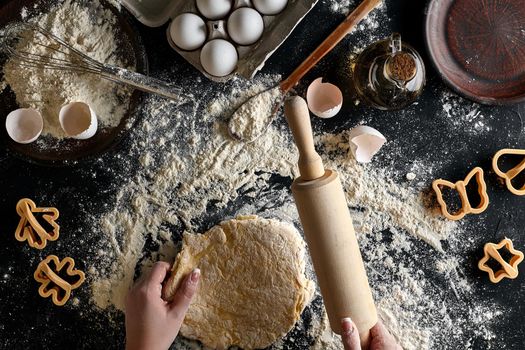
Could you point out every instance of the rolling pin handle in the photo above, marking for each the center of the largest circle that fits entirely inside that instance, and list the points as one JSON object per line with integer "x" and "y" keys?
{"x": 298, "y": 117}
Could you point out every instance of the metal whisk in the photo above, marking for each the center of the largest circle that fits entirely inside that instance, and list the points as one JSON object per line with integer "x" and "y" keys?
{"x": 59, "y": 55}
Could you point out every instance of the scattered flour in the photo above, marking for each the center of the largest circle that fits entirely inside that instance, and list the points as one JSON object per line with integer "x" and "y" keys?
{"x": 182, "y": 187}
{"x": 341, "y": 6}
{"x": 369, "y": 23}
{"x": 464, "y": 115}
{"x": 194, "y": 173}
{"x": 381, "y": 204}
{"x": 48, "y": 90}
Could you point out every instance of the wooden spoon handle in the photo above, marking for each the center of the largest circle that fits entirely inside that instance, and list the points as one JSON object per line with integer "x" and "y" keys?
{"x": 329, "y": 43}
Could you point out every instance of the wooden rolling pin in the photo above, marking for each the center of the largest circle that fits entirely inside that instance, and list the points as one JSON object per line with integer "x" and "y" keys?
{"x": 329, "y": 231}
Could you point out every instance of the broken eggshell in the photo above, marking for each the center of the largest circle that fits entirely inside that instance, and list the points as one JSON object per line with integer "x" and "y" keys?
{"x": 24, "y": 125}
{"x": 78, "y": 120}
{"x": 324, "y": 99}
{"x": 365, "y": 142}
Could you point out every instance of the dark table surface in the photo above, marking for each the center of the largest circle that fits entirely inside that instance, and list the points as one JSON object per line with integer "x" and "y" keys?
{"x": 30, "y": 322}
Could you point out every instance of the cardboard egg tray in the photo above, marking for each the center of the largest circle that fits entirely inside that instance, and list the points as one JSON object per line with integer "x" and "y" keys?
{"x": 155, "y": 13}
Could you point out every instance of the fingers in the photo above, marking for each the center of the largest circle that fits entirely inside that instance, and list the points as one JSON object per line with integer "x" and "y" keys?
{"x": 158, "y": 273}
{"x": 350, "y": 335}
{"x": 182, "y": 299}
{"x": 379, "y": 330}
{"x": 149, "y": 287}
{"x": 381, "y": 337}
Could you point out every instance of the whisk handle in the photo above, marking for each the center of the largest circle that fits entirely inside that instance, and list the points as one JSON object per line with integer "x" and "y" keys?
{"x": 145, "y": 83}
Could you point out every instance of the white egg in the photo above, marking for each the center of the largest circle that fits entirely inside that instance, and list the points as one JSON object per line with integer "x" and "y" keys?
{"x": 245, "y": 26}
{"x": 219, "y": 57}
{"x": 24, "y": 125}
{"x": 214, "y": 9}
{"x": 188, "y": 31}
{"x": 270, "y": 7}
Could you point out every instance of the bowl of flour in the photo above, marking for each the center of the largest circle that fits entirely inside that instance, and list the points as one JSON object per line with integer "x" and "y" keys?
{"x": 97, "y": 29}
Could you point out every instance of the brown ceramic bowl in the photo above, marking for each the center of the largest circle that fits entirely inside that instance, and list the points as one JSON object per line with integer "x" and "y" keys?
{"x": 478, "y": 47}
{"x": 70, "y": 151}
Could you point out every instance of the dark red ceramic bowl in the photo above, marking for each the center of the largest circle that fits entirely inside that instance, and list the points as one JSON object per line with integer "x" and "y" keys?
{"x": 478, "y": 47}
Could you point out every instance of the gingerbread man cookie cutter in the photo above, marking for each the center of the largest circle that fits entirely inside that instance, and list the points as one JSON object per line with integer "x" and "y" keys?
{"x": 30, "y": 230}
{"x": 461, "y": 187}
{"x": 508, "y": 269}
{"x": 512, "y": 173}
{"x": 52, "y": 284}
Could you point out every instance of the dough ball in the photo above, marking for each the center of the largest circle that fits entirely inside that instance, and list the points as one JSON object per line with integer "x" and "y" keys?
{"x": 253, "y": 288}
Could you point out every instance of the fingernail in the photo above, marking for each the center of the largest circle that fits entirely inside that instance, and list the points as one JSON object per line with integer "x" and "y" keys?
{"x": 347, "y": 325}
{"x": 195, "y": 275}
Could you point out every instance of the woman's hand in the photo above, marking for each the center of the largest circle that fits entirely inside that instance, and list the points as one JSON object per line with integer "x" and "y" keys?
{"x": 380, "y": 338}
{"x": 151, "y": 322}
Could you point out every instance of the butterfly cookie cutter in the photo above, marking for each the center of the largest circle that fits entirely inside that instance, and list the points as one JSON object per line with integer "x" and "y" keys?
{"x": 508, "y": 269}
{"x": 512, "y": 173}
{"x": 30, "y": 230}
{"x": 52, "y": 284}
{"x": 461, "y": 187}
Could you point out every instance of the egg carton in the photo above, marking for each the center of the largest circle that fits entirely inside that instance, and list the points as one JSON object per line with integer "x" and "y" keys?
{"x": 251, "y": 59}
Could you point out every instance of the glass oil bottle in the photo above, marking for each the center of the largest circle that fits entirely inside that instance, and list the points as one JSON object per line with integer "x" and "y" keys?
{"x": 389, "y": 74}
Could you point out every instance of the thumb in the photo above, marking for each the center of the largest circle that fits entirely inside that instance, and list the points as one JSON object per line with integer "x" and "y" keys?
{"x": 182, "y": 299}
{"x": 350, "y": 335}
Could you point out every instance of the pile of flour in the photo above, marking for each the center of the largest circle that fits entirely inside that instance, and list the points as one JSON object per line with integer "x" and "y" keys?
{"x": 91, "y": 29}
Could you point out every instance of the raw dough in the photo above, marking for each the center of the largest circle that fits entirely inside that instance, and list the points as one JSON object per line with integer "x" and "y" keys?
{"x": 253, "y": 288}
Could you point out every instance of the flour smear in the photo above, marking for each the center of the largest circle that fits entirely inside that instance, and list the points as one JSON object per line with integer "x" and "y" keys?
{"x": 180, "y": 187}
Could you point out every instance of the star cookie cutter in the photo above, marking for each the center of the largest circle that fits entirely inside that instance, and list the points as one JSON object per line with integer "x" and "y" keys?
{"x": 461, "y": 187}
{"x": 508, "y": 269}
{"x": 512, "y": 173}
{"x": 53, "y": 285}
{"x": 30, "y": 230}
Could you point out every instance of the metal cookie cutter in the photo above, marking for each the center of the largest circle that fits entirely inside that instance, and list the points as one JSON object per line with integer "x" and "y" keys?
{"x": 508, "y": 270}
{"x": 512, "y": 173}
{"x": 30, "y": 230}
{"x": 461, "y": 187}
{"x": 53, "y": 285}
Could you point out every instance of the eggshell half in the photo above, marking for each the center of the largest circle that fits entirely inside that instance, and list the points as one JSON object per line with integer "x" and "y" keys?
{"x": 324, "y": 99}
{"x": 24, "y": 125}
{"x": 78, "y": 120}
{"x": 365, "y": 142}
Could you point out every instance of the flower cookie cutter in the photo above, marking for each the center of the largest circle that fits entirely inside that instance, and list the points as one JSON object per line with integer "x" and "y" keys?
{"x": 512, "y": 173}
{"x": 30, "y": 230}
{"x": 508, "y": 269}
{"x": 53, "y": 285}
{"x": 461, "y": 187}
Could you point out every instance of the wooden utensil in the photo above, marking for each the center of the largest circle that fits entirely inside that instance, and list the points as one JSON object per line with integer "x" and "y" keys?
{"x": 329, "y": 231}
{"x": 286, "y": 85}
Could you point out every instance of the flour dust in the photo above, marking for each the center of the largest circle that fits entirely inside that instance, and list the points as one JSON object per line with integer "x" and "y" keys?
{"x": 194, "y": 175}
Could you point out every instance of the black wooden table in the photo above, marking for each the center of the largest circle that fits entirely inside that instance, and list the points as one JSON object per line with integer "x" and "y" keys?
{"x": 28, "y": 321}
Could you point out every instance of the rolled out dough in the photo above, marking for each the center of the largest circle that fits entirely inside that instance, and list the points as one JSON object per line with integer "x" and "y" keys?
{"x": 253, "y": 288}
